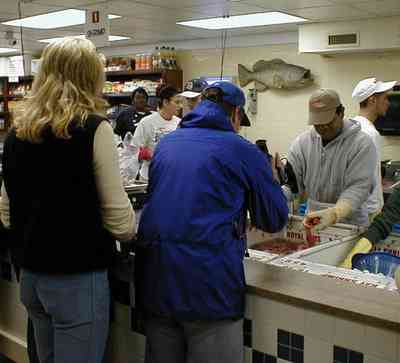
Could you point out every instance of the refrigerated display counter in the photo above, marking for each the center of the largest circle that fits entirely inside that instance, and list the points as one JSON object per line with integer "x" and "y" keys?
{"x": 338, "y": 315}
{"x": 299, "y": 307}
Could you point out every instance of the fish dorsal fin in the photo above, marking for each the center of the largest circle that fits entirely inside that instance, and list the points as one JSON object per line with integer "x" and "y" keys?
{"x": 262, "y": 64}
{"x": 277, "y": 61}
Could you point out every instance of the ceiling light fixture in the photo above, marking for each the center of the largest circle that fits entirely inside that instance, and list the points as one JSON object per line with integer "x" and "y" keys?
{"x": 54, "y": 20}
{"x": 111, "y": 38}
{"x": 8, "y": 50}
{"x": 243, "y": 21}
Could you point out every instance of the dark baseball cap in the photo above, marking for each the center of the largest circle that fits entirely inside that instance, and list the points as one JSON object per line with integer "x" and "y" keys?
{"x": 193, "y": 88}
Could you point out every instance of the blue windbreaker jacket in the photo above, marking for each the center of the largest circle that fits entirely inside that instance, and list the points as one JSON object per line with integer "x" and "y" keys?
{"x": 202, "y": 181}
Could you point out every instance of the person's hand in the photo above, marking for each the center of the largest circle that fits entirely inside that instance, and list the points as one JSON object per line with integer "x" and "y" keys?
{"x": 321, "y": 219}
{"x": 145, "y": 153}
{"x": 362, "y": 246}
{"x": 327, "y": 217}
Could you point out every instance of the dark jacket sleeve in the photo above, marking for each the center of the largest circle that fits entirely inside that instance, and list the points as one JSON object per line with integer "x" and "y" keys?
{"x": 382, "y": 225}
{"x": 122, "y": 124}
{"x": 267, "y": 203}
{"x": 4, "y": 239}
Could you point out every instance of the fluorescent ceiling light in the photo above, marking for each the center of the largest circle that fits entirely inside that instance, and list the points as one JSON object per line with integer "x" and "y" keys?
{"x": 57, "y": 19}
{"x": 115, "y": 38}
{"x": 111, "y": 38}
{"x": 8, "y": 50}
{"x": 243, "y": 21}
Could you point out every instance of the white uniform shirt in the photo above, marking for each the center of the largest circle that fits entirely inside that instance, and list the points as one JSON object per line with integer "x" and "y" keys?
{"x": 149, "y": 132}
{"x": 375, "y": 201}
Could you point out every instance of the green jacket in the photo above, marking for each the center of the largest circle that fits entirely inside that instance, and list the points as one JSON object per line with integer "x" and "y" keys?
{"x": 382, "y": 225}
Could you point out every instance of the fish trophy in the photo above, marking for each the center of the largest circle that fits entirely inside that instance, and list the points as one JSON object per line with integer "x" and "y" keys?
{"x": 275, "y": 73}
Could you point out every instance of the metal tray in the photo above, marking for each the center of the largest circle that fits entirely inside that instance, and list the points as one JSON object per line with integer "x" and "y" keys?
{"x": 137, "y": 187}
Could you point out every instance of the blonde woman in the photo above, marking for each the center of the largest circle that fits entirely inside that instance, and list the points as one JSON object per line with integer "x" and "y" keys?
{"x": 64, "y": 203}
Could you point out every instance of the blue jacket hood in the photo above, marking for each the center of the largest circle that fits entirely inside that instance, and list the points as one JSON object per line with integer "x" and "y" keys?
{"x": 207, "y": 115}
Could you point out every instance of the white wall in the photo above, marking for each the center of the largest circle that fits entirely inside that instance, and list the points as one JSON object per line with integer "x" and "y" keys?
{"x": 282, "y": 115}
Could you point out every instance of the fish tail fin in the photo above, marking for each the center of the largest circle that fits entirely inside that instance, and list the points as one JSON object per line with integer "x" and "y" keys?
{"x": 245, "y": 76}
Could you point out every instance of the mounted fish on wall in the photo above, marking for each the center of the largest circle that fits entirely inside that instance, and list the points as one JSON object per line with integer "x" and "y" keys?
{"x": 275, "y": 73}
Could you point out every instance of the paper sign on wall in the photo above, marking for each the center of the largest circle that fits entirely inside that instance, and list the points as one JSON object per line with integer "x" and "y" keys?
{"x": 97, "y": 26}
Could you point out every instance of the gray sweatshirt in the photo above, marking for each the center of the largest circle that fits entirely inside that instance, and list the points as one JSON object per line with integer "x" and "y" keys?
{"x": 343, "y": 169}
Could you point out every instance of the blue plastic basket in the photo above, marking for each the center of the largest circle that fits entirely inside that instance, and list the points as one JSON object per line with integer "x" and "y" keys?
{"x": 376, "y": 262}
{"x": 302, "y": 209}
{"x": 396, "y": 228}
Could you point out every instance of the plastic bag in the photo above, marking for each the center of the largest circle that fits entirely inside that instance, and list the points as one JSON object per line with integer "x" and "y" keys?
{"x": 128, "y": 160}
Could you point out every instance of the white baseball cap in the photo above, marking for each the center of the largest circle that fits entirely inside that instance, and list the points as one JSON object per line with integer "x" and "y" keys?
{"x": 370, "y": 86}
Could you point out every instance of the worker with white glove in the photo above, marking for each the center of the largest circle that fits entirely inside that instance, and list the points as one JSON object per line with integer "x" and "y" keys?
{"x": 334, "y": 164}
{"x": 379, "y": 230}
{"x": 319, "y": 220}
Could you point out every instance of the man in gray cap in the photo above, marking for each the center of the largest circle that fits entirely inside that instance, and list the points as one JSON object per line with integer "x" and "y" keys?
{"x": 330, "y": 163}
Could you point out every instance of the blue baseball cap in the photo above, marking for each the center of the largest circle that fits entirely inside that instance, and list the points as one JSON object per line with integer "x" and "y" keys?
{"x": 231, "y": 93}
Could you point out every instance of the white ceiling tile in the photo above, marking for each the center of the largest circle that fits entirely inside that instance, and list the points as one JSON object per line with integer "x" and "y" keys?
{"x": 68, "y": 3}
{"x": 9, "y": 9}
{"x": 288, "y": 4}
{"x": 6, "y": 16}
{"x": 132, "y": 11}
{"x": 154, "y": 21}
{"x": 380, "y": 7}
{"x": 348, "y": 2}
{"x": 340, "y": 12}
{"x": 264, "y": 29}
{"x": 178, "y": 4}
{"x": 219, "y": 9}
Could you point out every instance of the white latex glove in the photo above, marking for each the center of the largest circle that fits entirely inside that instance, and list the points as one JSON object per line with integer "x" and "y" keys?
{"x": 322, "y": 219}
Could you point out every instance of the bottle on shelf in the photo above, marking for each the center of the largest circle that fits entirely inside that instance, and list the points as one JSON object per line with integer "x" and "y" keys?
{"x": 163, "y": 58}
{"x": 149, "y": 61}
{"x": 137, "y": 62}
{"x": 169, "y": 58}
{"x": 159, "y": 62}
{"x": 174, "y": 62}
{"x": 155, "y": 58}
{"x": 140, "y": 62}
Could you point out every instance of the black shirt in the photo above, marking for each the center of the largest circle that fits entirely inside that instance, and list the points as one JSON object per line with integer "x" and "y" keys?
{"x": 127, "y": 120}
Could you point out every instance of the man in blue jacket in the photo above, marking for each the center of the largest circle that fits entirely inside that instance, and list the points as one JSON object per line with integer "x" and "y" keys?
{"x": 203, "y": 180}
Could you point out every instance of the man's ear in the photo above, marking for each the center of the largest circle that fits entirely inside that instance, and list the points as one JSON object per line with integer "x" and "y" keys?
{"x": 236, "y": 119}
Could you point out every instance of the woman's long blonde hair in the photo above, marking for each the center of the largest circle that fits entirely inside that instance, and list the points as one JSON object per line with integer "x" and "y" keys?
{"x": 67, "y": 88}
